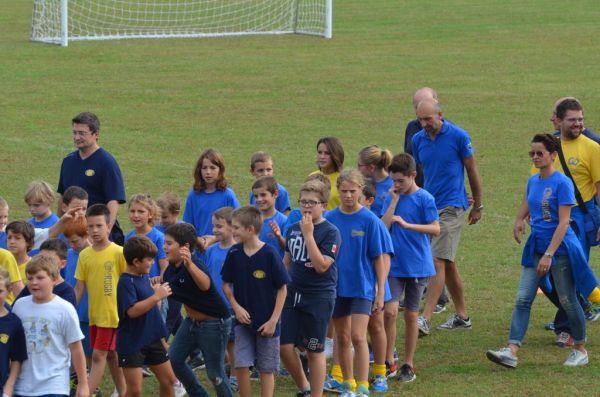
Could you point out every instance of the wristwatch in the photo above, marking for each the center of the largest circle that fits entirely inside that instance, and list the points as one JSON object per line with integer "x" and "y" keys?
{"x": 548, "y": 254}
{"x": 478, "y": 208}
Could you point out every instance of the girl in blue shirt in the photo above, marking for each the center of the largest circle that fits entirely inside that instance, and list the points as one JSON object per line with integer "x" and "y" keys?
{"x": 552, "y": 247}
{"x": 373, "y": 162}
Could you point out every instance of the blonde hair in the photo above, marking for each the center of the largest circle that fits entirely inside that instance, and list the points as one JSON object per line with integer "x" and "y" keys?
{"x": 374, "y": 155}
{"x": 39, "y": 191}
{"x": 42, "y": 263}
{"x": 5, "y": 277}
{"x": 146, "y": 201}
{"x": 317, "y": 187}
{"x": 3, "y": 203}
{"x": 351, "y": 175}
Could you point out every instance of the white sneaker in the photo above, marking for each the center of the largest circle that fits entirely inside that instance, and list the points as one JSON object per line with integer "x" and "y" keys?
{"x": 328, "y": 348}
{"x": 503, "y": 357}
{"x": 115, "y": 393}
{"x": 576, "y": 359}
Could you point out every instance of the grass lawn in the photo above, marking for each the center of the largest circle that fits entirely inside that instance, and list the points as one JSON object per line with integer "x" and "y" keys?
{"x": 498, "y": 67}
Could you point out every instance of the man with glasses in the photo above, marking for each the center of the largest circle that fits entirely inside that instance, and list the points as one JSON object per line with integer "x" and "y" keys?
{"x": 93, "y": 169}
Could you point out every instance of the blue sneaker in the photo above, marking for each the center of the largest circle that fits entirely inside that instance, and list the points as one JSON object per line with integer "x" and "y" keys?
{"x": 362, "y": 391}
{"x": 332, "y": 385}
{"x": 346, "y": 390}
{"x": 380, "y": 384}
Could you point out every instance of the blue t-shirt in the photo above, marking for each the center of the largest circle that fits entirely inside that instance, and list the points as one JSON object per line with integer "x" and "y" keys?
{"x": 361, "y": 243}
{"x": 64, "y": 290}
{"x": 13, "y": 346}
{"x": 200, "y": 206}
{"x": 267, "y": 236}
{"x": 71, "y": 266}
{"x": 158, "y": 238}
{"x": 413, "y": 250}
{"x": 186, "y": 291}
{"x": 443, "y": 167}
{"x": 255, "y": 280}
{"x": 382, "y": 192}
{"x": 214, "y": 258}
{"x": 544, "y": 196}
{"x": 46, "y": 223}
{"x": 388, "y": 248}
{"x": 3, "y": 243}
{"x": 282, "y": 202}
{"x": 135, "y": 333}
{"x": 305, "y": 278}
{"x": 99, "y": 175}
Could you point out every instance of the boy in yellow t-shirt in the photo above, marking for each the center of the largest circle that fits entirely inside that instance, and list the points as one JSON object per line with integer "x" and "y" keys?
{"x": 98, "y": 269}
{"x": 8, "y": 262}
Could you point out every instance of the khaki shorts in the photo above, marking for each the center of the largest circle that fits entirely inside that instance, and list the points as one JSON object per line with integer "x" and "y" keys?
{"x": 445, "y": 245}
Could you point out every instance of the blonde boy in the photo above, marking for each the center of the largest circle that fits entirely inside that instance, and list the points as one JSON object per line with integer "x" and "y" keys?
{"x": 39, "y": 198}
{"x": 261, "y": 164}
{"x": 98, "y": 271}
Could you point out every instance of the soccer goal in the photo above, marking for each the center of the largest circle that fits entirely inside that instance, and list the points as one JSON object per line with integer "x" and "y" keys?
{"x": 61, "y": 21}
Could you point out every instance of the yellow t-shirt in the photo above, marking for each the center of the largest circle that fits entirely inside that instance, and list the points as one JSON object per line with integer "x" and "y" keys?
{"x": 7, "y": 261}
{"x": 22, "y": 267}
{"x": 100, "y": 270}
{"x": 334, "y": 195}
{"x": 582, "y": 156}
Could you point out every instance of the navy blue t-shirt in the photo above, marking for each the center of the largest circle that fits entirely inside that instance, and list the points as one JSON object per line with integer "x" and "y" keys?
{"x": 135, "y": 333}
{"x": 186, "y": 291}
{"x": 64, "y": 290}
{"x": 12, "y": 344}
{"x": 255, "y": 280}
{"x": 305, "y": 278}
{"x": 99, "y": 175}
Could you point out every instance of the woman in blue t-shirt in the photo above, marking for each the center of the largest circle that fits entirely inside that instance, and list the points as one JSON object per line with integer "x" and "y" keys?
{"x": 373, "y": 163}
{"x": 551, "y": 249}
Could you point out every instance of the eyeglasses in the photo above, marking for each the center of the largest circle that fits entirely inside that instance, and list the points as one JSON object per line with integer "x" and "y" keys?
{"x": 308, "y": 203}
{"x": 538, "y": 153}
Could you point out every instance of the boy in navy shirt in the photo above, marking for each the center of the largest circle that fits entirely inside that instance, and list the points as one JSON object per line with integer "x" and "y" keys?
{"x": 142, "y": 332}
{"x": 254, "y": 281}
{"x": 265, "y": 193}
{"x": 310, "y": 254}
{"x": 13, "y": 350}
{"x": 411, "y": 215}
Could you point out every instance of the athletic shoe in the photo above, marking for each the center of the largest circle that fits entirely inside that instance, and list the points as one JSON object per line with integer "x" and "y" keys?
{"x": 407, "y": 374}
{"x": 283, "y": 371}
{"x": 254, "y": 374}
{"x": 549, "y": 326}
{"x": 146, "y": 373}
{"x": 233, "y": 383}
{"x": 455, "y": 322}
{"x": 362, "y": 390}
{"x": 97, "y": 393}
{"x": 332, "y": 385}
{"x": 423, "y": 325}
{"x": 576, "y": 359}
{"x": 179, "y": 389}
{"x": 379, "y": 384}
{"x": 196, "y": 363}
{"x": 305, "y": 393}
{"x": 564, "y": 340}
{"x": 391, "y": 369}
{"x": 503, "y": 357}
{"x": 346, "y": 390}
{"x": 115, "y": 393}
{"x": 592, "y": 315}
{"x": 439, "y": 309}
{"x": 328, "y": 348}
{"x": 395, "y": 355}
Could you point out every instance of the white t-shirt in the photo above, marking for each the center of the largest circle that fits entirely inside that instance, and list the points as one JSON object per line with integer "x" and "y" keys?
{"x": 49, "y": 330}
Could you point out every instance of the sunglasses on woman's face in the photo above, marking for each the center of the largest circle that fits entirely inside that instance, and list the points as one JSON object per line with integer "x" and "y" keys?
{"x": 538, "y": 153}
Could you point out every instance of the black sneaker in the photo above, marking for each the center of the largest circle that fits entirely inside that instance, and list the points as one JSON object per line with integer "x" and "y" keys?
{"x": 455, "y": 322}
{"x": 196, "y": 363}
{"x": 146, "y": 373}
{"x": 305, "y": 393}
{"x": 254, "y": 374}
{"x": 407, "y": 374}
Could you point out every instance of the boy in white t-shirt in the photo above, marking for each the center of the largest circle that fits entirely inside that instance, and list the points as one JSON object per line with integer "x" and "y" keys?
{"x": 53, "y": 336}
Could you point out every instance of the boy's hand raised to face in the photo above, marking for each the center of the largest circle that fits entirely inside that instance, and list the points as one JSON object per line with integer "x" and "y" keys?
{"x": 186, "y": 255}
{"x": 306, "y": 225}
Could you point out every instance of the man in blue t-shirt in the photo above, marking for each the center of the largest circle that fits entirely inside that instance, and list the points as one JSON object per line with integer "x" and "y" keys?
{"x": 444, "y": 151}
{"x": 93, "y": 169}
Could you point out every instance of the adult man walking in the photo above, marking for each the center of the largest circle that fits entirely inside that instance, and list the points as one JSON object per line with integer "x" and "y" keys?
{"x": 445, "y": 152}
{"x": 93, "y": 169}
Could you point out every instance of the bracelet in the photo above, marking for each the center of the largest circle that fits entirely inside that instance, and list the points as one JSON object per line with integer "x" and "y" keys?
{"x": 478, "y": 208}
{"x": 548, "y": 254}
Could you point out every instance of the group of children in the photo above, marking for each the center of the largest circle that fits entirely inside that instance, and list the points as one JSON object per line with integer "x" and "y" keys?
{"x": 257, "y": 283}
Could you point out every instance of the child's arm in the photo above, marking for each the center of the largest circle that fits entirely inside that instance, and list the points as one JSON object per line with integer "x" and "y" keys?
{"x": 287, "y": 261}
{"x": 17, "y": 287}
{"x": 201, "y": 279}
{"x": 388, "y": 217}
{"x": 268, "y": 328}
{"x": 162, "y": 265}
{"x": 432, "y": 228}
{"x": 161, "y": 291}
{"x": 15, "y": 368}
{"x": 67, "y": 217}
{"x": 78, "y": 360}
{"x": 79, "y": 289}
{"x": 204, "y": 242}
{"x": 277, "y": 233}
{"x": 319, "y": 262}
{"x": 381, "y": 274}
{"x": 240, "y": 313}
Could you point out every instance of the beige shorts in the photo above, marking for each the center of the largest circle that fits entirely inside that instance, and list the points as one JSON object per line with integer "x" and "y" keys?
{"x": 445, "y": 245}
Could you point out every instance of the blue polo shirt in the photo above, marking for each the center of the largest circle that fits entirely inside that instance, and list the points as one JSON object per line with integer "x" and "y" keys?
{"x": 13, "y": 346}
{"x": 255, "y": 280}
{"x": 158, "y": 238}
{"x": 200, "y": 207}
{"x": 267, "y": 236}
{"x": 282, "y": 202}
{"x": 135, "y": 333}
{"x": 442, "y": 161}
{"x": 413, "y": 250}
{"x": 99, "y": 175}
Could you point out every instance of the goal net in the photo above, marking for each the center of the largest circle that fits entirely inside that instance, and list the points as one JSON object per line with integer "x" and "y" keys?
{"x": 61, "y": 21}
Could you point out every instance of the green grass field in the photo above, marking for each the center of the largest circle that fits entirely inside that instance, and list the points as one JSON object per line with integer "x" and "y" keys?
{"x": 498, "y": 67}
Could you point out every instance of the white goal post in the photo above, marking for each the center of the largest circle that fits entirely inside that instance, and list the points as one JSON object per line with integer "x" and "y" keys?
{"x": 61, "y": 21}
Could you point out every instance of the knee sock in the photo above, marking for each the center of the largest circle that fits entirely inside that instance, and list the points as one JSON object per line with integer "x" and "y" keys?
{"x": 365, "y": 383}
{"x": 595, "y": 296}
{"x": 336, "y": 373}
{"x": 352, "y": 383}
{"x": 379, "y": 369}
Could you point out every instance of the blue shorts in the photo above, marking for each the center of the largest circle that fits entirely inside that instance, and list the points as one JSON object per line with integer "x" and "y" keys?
{"x": 304, "y": 321}
{"x": 347, "y": 306}
{"x": 411, "y": 287}
{"x": 253, "y": 349}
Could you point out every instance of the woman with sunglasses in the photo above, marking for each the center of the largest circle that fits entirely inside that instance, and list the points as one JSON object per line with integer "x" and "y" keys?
{"x": 551, "y": 249}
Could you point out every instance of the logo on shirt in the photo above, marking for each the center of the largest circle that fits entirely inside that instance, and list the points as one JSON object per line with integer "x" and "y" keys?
{"x": 37, "y": 332}
{"x": 546, "y": 214}
{"x": 108, "y": 278}
{"x": 357, "y": 233}
{"x": 259, "y": 274}
{"x": 573, "y": 161}
{"x": 90, "y": 172}
{"x": 469, "y": 145}
{"x": 334, "y": 248}
{"x": 4, "y": 338}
